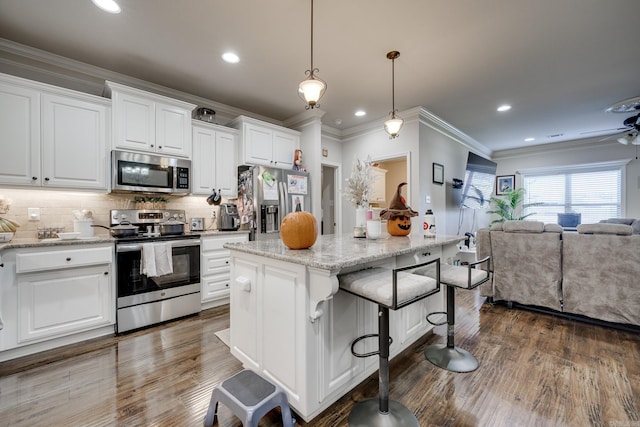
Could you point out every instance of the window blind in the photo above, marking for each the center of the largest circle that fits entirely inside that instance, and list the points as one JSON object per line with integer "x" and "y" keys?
{"x": 593, "y": 191}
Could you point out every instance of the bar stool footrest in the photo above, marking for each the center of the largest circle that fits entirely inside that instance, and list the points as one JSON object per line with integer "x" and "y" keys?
{"x": 371, "y": 353}
{"x": 433, "y": 322}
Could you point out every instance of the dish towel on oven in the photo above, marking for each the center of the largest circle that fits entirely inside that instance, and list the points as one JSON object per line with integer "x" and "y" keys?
{"x": 156, "y": 259}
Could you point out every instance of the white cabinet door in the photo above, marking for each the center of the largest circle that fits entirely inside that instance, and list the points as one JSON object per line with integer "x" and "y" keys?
{"x": 55, "y": 304}
{"x": 258, "y": 145}
{"x": 226, "y": 164}
{"x": 284, "y": 145}
{"x": 19, "y": 135}
{"x": 245, "y": 327}
{"x": 74, "y": 143}
{"x": 173, "y": 130}
{"x": 378, "y": 188}
{"x": 134, "y": 122}
{"x": 204, "y": 157}
{"x": 214, "y": 161}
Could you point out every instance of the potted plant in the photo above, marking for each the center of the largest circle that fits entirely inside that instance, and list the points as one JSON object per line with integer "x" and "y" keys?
{"x": 510, "y": 205}
{"x": 7, "y": 226}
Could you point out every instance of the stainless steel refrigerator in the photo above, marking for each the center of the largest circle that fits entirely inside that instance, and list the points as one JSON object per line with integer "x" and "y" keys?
{"x": 266, "y": 195}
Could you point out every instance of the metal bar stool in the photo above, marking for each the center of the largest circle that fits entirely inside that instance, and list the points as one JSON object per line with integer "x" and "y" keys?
{"x": 389, "y": 289}
{"x": 449, "y": 356}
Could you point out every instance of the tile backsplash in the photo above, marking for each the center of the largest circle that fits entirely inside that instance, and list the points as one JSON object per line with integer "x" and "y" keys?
{"x": 56, "y": 208}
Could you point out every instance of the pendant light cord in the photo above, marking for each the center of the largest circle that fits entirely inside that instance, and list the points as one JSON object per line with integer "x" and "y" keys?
{"x": 311, "y": 37}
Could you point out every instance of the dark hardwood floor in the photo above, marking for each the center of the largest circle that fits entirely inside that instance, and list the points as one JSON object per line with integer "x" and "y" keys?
{"x": 535, "y": 370}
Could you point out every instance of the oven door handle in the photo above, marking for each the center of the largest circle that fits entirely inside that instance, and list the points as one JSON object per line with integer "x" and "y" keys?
{"x": 137, "y": 247}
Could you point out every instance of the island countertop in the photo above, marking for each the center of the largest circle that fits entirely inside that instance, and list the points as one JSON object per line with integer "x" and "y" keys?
{"x": 334, "y": 252}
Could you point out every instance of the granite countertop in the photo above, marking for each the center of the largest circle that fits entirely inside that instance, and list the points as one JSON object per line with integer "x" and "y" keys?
{"x": 33, "y": 242}
{"x": 21, "y": 243}
{"x": 336, "y": 252}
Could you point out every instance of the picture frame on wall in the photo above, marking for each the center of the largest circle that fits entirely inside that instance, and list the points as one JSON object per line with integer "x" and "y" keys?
{"x": 438, "y": 173}
{"x": 504, "y": 183}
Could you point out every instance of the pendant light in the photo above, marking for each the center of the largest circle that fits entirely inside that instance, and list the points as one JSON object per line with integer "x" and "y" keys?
{"x": 312, "y": 89}
{"x": 394, "y": 124}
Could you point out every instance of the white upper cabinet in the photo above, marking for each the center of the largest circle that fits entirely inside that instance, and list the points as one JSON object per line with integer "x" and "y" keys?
{"x": 148, "y": 122}
{"x": 214, "y": 160}
{"x": 19, "y": 134}
{"x": 378, "y": 187}
{"x": 51, "y": 137}
{"x": 266, "y": 144}
{"x": 74, "y": 143}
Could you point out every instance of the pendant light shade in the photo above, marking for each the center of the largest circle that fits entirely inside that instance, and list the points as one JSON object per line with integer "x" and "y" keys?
{"x": 394, "y": 124}
{"x": 312, "y": 89}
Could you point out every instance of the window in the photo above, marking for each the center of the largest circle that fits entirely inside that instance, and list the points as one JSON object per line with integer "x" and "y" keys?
{"x": 593, "y": 191}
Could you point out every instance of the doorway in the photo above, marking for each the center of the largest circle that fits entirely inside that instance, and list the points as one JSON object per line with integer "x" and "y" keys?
{"x": 329, "y": 204}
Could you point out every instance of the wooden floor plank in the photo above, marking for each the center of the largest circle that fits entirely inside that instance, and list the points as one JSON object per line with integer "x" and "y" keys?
{"x": 535, "y": 370}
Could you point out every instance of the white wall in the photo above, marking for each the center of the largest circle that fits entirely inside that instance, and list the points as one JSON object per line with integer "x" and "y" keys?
{"x": 576, "y": 153}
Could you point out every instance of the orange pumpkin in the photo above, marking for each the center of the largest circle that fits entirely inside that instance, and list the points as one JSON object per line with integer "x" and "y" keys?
{"x": 399, "y": 225}
{"x": 299, "y": 230}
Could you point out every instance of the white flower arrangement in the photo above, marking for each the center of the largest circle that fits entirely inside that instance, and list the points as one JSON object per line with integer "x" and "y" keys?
{"x": 359, "y": 183}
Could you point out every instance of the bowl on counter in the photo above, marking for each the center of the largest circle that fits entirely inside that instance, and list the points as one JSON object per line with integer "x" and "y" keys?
{"x": 69, "y": 235}
{"x": 6, "y": 236}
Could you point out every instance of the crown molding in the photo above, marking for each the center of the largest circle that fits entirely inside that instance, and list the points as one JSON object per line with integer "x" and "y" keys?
{"x": 563, "y": 146}
{"x": 89, "y": 78}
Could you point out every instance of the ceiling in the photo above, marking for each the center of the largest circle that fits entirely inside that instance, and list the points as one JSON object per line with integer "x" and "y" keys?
{"x": 559, "y": 63}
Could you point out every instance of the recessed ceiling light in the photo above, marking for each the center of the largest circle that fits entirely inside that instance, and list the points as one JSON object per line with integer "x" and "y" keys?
{"x": 230, "y": 57}
{"x": 107, "y": 5}
{"x": 503, "y": 108}
{"x": 529, "y": 139}
{"x": 360, "y": 113}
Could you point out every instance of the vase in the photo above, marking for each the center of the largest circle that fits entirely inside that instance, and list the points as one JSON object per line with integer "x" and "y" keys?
{"x": 361, "y": 222}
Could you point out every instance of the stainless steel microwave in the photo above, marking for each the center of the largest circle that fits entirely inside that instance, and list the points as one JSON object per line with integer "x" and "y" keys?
{"x": 147, "y": 173}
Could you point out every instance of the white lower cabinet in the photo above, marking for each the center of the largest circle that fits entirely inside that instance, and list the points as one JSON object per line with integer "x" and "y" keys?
{"x": 55, "y": 296}
{"x": 214, "y": 268}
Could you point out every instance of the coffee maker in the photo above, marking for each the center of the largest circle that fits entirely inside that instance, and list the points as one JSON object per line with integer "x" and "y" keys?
{"x": 229, "y": 219}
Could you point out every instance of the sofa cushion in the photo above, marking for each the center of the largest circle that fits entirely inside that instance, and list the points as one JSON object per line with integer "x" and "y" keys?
{"x": 636, "y": 226}
{"x": 553, "y": 228}
{"x": 625, "y": 221}
{"x": 605, "y": 228}
{"x": 523, "y": 227}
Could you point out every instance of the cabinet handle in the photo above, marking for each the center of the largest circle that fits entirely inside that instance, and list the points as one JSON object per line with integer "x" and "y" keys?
{"x": 106, "y": 273}
{"x": 2, "y": 264}
{"x": 34, "y": 178}
{"x": 159, "y": 147}
{"x": 226, "y": 262}
{"x": 151, "y": 146}
{"x": 68, "y": 259}
{"x": 226, "y": 285}
{"x": 426, "y": 253}
{"x": 46, "y": 178}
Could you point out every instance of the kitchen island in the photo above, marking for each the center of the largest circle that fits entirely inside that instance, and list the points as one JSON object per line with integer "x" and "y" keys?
{"x": 290, "y": 321}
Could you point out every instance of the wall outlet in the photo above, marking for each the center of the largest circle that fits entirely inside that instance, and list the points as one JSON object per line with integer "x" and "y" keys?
{"x": 427, "y": 199}
{"x": 33, "y": 214}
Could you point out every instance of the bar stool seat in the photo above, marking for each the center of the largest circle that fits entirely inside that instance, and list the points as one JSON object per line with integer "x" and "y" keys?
{"x": 389, "y": 289}
{"x": 250, "y": 397}
{"x": 449, "y": 356}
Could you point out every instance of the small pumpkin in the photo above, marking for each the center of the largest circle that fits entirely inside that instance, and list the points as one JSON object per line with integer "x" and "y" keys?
{"x": 299, "y": 230}
{"x": 399, "y": 225}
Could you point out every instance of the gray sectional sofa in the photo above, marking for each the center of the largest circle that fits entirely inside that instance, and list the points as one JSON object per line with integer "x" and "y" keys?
{"x": 592, "y": 274}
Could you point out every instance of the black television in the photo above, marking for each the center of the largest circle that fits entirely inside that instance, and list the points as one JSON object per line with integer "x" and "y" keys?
{"x": 479, "y": 181}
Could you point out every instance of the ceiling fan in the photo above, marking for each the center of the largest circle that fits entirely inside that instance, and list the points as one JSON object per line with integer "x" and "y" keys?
{"x": 631, "y": 124}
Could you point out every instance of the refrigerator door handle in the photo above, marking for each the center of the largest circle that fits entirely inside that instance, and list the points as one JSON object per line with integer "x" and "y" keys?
{"x": 284, "y": 203}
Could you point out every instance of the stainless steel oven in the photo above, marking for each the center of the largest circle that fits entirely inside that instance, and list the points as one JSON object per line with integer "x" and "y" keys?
{"x": 145, "y": 299}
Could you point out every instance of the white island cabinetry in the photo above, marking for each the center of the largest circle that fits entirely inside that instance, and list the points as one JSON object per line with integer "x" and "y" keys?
{"x": 290, "y": 321}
